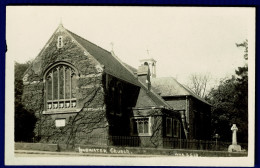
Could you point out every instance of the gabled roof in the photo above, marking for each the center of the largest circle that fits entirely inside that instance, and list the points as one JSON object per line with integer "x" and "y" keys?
{"x": 156, "y": 98}
{"x": 115, "y": 67}
{"x": 112, "y": 64}
{"x": 170, "y": 87}
{"x": 134, "y": 70}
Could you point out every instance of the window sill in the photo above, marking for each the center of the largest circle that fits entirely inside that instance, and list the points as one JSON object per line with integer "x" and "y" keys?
{"x": 61, "y": 111}
{"x": 116, "y": 114}
{"x": 172, "y": 136}
{"x": 119, "y": 114}
{"x": 146, "y": 134}
{"x": 142, "y": 134}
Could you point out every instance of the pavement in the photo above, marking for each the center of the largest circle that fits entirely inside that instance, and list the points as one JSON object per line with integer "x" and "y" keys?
{"x": 34, "y": 153}
{"x": 176, "y": 153}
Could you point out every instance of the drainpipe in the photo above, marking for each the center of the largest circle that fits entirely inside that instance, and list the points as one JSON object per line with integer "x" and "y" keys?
{"x": 184, "y": 124}
{"x": 187, "y": 109}
{"x": 187, "y": 115}
{"x": 180, "y": 134}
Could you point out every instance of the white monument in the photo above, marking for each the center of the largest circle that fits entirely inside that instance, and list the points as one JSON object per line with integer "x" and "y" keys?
{"x": 234, "y": 147}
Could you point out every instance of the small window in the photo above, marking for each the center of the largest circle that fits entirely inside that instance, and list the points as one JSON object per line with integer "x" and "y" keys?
{"x": 141, "y": 126}
{"x": 168, "y": 126}
{"x": 60, "y": 42}
{"x": 172, "y": 127}
{"x": 176, "y": 128}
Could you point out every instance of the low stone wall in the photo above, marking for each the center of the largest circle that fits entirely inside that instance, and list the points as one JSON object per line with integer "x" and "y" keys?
{"x": 36, "y": 146}
{"x": 127, "y": 150}
{"x": 157, "y": 151}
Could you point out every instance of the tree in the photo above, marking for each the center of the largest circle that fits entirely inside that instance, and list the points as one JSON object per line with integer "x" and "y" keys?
{"x": 230, "y": 103}
{"x": 19, "y": 70}
{"x": 222, "y": 101}
{"x": 241, "y": 101}
{"x": 24, "y": 119}
{"x": 245, "y": 46}
{"x": 199, "y": 83}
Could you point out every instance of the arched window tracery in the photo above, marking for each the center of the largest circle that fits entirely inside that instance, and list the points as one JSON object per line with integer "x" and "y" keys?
{"x": 60, "y": 87}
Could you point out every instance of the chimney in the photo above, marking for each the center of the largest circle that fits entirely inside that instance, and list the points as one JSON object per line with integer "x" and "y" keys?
{"x": 143, "y": 74}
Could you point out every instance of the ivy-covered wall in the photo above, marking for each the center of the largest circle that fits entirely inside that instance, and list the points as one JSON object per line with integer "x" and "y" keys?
{"x": 104, "y": 102}
{"x": 120, "y": 112}
{"x": 91, "y": 118}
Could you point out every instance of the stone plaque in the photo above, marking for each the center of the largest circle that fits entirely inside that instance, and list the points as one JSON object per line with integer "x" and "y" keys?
{"x": 60, "y": 122}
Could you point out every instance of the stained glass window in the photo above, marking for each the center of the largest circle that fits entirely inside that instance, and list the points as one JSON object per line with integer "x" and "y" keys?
{"x": 61, "y": 82}
{"x": 60, "y": 87}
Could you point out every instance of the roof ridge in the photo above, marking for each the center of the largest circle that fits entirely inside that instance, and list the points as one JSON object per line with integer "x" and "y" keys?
{"x": 122, "y": 63}
{"x": 157, "y": 96}
{"x": 88, "y": 41}
{"x": 112, "y": 54}
{"x": 125, "y": 67}
{"x": 182, "y": 86}
{"x": 195, "y": 95}
{"x": 191, "y": 93}
{"x": 188, "y": 91}
{"x": 130, "y": 66}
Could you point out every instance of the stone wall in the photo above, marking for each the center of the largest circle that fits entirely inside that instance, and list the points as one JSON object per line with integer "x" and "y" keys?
{"x": 198, "y": 116}
{"x": 87, "y": 149}
{"x": 200, "y": 119}
{"x": 157, "y": 131}
{"x": 90, "y": 119}
{"x": 154, "y": 139}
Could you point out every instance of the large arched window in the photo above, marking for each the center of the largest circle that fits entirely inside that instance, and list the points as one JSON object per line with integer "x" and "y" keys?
{"x": 60, "y": 87}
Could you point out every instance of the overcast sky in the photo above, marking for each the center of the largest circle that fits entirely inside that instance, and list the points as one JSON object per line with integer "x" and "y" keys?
{"x": 182, "y": 40}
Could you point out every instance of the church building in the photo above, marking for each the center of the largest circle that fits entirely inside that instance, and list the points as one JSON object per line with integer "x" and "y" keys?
{"x": 83, "y": 94}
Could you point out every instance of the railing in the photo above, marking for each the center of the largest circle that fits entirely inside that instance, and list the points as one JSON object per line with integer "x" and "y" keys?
{"x": 195, "y": 144}
{"x": 147, "y": 141}
{"x": 171, "y": 143}
{"x": 131, "y": 141}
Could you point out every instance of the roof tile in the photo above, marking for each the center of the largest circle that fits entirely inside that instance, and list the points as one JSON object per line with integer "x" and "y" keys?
{"x": 168, "y": 86}
{"x": 114, "y": 66}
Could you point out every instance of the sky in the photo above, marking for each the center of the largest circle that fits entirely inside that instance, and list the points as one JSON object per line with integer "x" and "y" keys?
{"x": 183, "y": 40}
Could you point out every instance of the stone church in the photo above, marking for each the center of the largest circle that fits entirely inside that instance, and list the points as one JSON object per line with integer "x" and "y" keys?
{"x": 83, "y": 94}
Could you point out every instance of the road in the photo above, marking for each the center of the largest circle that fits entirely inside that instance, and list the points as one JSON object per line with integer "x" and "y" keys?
{"x": 28, "y": 153}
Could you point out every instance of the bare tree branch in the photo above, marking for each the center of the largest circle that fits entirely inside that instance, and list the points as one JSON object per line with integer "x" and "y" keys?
{"x": 199, "y": 83}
